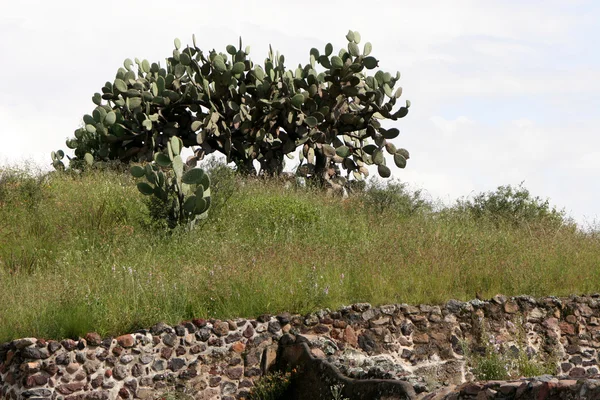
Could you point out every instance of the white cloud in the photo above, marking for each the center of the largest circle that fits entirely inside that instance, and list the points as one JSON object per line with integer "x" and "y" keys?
{"x": 450, "y": 128}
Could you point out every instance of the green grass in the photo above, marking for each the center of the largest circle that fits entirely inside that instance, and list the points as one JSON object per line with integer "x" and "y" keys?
{"x": 79, "y": 253}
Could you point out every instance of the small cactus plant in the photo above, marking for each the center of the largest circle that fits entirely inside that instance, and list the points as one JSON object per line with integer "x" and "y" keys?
{"x": 185, "y": 193}
{"x": 57, "y": 157}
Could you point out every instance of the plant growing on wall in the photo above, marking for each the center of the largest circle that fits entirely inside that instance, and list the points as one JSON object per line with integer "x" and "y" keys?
{"x": 271, "y": 386}
{"x": 329, "y": 110}
{"x": 499, "y": 361}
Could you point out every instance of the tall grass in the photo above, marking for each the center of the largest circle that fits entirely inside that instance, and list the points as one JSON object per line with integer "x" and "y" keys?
{"x": 79, "y": 253}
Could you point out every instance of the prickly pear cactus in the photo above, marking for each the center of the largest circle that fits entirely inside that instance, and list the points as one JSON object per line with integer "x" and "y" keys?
{"x": 328, "y": 110}
{"x": 185, "y": 191}
{"x": 57, "y": 157}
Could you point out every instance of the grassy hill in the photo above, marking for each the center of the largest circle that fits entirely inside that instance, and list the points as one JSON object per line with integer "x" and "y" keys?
{"x": 79, "y": 253}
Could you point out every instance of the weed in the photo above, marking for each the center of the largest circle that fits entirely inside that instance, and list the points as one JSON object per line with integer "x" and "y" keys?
{"x": 174, "y": 395}
{"x": 394, "y": 197}
{"x": 495, "y": 361}
{"x": 336, "y": 392}
{"x": 271, "y": 386}
{"x": 514, "y": 206}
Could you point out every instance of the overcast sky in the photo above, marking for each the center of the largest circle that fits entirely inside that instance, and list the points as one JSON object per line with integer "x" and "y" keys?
{"x": 501, "y": 91}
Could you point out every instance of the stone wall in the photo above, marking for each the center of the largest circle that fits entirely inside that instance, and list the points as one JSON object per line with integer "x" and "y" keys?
{"x": 215, "y": 359}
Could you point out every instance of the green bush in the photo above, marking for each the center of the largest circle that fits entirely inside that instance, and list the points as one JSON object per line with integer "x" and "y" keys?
{"x": 224, "y": 183}
{"x": 512, "y": 205}
{"x": 22, "y": 185}
{"x": 394, "y": 197}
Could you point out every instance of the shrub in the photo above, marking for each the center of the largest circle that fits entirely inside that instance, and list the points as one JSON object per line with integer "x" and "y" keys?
{"x": 394, "y": 197}
{"x": 21, "y": 185}
{"x": 512, "y": 205}
{"x": 223, "y": 184}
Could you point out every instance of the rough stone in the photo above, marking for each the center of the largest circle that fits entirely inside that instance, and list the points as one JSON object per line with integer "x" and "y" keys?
{"x": 234, "y": 373}
{"x": 274, "y": 327}
{"x": 234, "y": 337}
{"x": 311, "y": 320}
{"x": 284, "y": 318}
{"x": 159, "y": 365}
{"x": 228, "y": 388}
{"x": 369, "y": 314}
{"x": 176, "y": 364}
{"x": 535, "y": 314}
{"x": 221, "y": 328}
{"x": 98, "y": 395}
{"x": 137, "y": 370}
{"x": 188, "y": 374}
{"x": 214, "y": 381}
{"x": 70, "y": 388}
{"x": 126, "y": 341}
{"x": 124, "y": 393}
{"x": 197, "y": 348}
{"x": 31, "y": 353}
{"x": 317, "y": 353}
{"x": 72, "y": 368}
{"x": 169, "y": 339}
{"x": 199, "y": 322}
{"x": 420, "y": 338}
{"x": 36, "y": 380}
{"x": 180, "y": 330}
{"x": 160, "y": 328}
{"x": 166, "y": 352}
{"x": 91, "y": 366}
{"x": 120, "y": 372}
{"x": 80, "y": 357}
{"x": 350, "y": 336}
{"x": 31, "y": 367}
{"x": 577, "y": 372}
{"x": 93, "y": 339}
{"x": 126, "y": 359}
{"x": 146, "y": 359}
{"x": 566, "y": 328}
{"x": 248, "y": 331}
{"x": 53, "y": 346}
{"x": 238, "y": 347}
{"x": 37, "y": 393}
{"x": 511, "y": 307}
{"x": 25, "y": 342}
{"x": 97, "y": 381}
